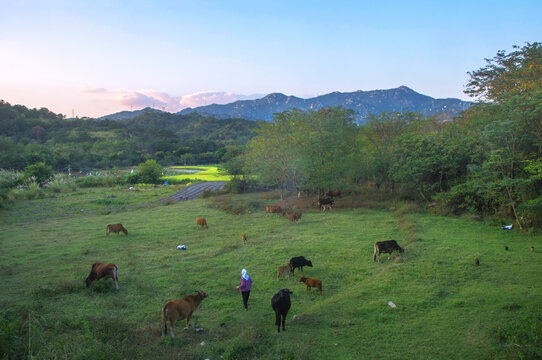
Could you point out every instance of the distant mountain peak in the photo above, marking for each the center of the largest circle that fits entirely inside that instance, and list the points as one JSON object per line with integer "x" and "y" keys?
{"x": 361, "y": 102}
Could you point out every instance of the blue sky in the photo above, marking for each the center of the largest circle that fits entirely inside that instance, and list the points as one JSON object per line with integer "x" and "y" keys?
{"x": 92, "y": 58}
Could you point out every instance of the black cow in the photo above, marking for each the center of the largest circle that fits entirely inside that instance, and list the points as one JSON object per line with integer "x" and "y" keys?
{"x": 281, "y": 304}
{"x": 387, "y": 246}
{"x": 299, "y": 262}
{"x": 325, "y": 201}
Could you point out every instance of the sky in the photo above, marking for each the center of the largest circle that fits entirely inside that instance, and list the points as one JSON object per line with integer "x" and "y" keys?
{"x": 93, "y": 58}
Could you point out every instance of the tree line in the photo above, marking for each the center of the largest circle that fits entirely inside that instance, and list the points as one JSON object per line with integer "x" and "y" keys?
{"x": 486, "y": 161}
{"x": 29, "y": 136}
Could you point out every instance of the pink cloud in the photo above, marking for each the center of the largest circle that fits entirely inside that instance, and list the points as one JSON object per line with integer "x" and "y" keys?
{"x": 159, "y": 100}
{"x": 212, "y": 97}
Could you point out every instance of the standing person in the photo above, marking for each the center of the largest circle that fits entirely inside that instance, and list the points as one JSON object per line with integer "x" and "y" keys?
{"x": 244, "y": 287}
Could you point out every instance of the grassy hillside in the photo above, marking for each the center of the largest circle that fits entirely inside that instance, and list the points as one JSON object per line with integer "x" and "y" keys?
{"x": 447, "y": 308}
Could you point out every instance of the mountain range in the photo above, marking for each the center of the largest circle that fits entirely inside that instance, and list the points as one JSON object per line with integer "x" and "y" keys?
{"x": 363, "y": 103}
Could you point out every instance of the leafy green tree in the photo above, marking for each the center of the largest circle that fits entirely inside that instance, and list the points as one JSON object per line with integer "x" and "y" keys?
{"x": 382, "y": 133}
{"x": 40, "y": 171}
{"x": 271, "y": 154}
{"x": 303, "y": 149}
{"x": 149, "y": 172}
{"x": 508, "y": 75}
{"x": 324, "y": 142}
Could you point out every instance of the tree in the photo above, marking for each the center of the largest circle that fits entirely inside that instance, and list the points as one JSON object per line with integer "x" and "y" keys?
{"x": 303, "y": 149}
{"x": 382, "y": 133}
{"x": 507, "y": 75}
{"x": 325, "y": 143}
{"x": 149, "y": 172}
{"x": 271, "y": 153}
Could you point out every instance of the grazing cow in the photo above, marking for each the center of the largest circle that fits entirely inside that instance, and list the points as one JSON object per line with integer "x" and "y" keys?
{"x": 244, "y": 237}
{"x": 299, "y": 262}
{"x": 327, "y": 207}
{"x": 293, "y": 216}
{"x": 284, "y": 271}
{"x": 180, "y": 309}
{"x": 202, "y": 222}
{"x": 387, "y": 246}
{"x": 312, "y": 283}
{"x": 325, "y": 201}
{"x": 506, "y": 248}
{"x": 281, "y": 304}
{"x": 103, "y": 271}
{"x": 115, "y": 228}
{"x": 333, "y": 193}
{"x": 273, "y": 209}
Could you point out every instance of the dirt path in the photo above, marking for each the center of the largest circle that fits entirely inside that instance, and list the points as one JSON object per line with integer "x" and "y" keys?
{"x": 191, "y": 192}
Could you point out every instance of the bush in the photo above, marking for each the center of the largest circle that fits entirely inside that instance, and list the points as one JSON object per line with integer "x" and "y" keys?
{"x": 8, "y": 181}
{"x": 133, "y": 179}
{"x": 29, "y": 192}
{"x": 39, "y": 171}
{"x": 150, "y": 172}
{"x": 60, "y": 185}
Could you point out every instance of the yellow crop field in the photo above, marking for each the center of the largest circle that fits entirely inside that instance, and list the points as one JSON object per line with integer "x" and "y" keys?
{"x": 206, "y": 173}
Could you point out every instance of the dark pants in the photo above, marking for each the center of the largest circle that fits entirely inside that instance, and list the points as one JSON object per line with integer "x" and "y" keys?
{"x": 245, "y": 294}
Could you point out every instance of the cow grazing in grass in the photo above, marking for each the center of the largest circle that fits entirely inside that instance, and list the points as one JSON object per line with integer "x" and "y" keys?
{"x": 293, "y": 216}
{"x": 387, "y": 246}
{"x": 115, "y": 228}
{"x": 280, "y": 303}
{"x": 180, "y": 309}
{"x": 273, "y": 209}
{"x": 244, "y": 237}
{"x": 202, "y": 222}
{"x": 284, "y": 271}
{"x": 103, "y": 271}
{"x": 310, "y": 283}
{"x": 299, "y": 262}
{"x": 325, "y": 201}
{"x": 334, "y": 193}
{"x": 327, "y": 207}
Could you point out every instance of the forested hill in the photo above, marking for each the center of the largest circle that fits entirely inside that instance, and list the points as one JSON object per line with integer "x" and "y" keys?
{"x": 401, "y": 99}
{"x": 29, "y": 135}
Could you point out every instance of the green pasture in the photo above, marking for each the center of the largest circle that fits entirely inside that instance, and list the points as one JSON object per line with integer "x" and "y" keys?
{"x": 207, "y": 173}
{"x": 447, "y": 308}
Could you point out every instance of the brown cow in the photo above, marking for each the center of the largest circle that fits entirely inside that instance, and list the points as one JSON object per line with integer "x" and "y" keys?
{"x": 202, "y": 222}
{"x": 284, "y": 271}
{"x": 293, "y": 216}
{"x": 244, "y": 237}
{"x": 103, "y": 271}
{"x": 273, "y": 209}
{"x": 115, "y": 228}
{"x": 180, "y": 309}
{"x": 312, "y": 283}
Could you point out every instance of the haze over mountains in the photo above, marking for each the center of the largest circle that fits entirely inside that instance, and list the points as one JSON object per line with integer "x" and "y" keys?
{"x": 363, "y": 103}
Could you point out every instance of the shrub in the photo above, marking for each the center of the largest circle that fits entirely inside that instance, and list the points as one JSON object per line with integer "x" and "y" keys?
{"x": 89, "y": 181}
{"x": 40, "y": 171}
{"x": 8, "y": 181}
{"x": 60, "y": 185}
{"x": 150, "y": 172}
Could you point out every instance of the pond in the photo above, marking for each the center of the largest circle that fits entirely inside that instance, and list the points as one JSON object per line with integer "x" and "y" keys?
{"x": 186, "y": 171}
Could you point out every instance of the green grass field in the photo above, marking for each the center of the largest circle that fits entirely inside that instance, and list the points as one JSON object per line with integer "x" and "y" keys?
{"x": 447, "y": 308}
